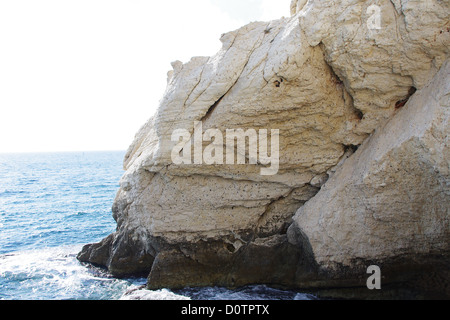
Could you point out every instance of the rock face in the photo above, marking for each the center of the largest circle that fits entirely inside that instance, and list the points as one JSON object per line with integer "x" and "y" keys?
{"x": 325, "y": 79}
{"x": 388, "y": 204}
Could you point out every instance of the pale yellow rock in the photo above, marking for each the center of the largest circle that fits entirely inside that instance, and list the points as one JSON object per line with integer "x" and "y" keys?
{"x": 274, "y": 76}
{"x": 297, "y": 6}
{"x": 326, "y": 78}
{"x": 380, "y": 66}
{"x": 392, "y": 198}
{"x": 265, "y": 77}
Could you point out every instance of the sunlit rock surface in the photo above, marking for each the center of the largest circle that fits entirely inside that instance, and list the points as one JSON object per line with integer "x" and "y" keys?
{"x": 333, "y": 77}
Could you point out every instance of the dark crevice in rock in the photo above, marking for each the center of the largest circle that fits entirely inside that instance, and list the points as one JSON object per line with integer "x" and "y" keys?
{"x": 403, "y": 102}
{"x": 211, "y": 109}
{"x": 267, "y": 211}
{"x": 359, "y": 114}
{"x": 342, "y": 85}
{"x": 351, "y": 149}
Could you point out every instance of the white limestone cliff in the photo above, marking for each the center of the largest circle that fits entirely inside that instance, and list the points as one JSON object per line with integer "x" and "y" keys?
{"x": 391, "y": 199}
{"x": 327, "y": 78}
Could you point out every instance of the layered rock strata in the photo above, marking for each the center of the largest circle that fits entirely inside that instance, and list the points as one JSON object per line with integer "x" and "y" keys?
{"x": 331, "y": 81}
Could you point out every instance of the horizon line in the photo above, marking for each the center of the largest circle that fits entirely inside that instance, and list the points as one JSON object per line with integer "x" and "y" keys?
{"x": 61, "y": 151}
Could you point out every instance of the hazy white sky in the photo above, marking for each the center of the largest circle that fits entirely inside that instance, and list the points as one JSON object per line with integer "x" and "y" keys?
{"x": 80, "y": 75}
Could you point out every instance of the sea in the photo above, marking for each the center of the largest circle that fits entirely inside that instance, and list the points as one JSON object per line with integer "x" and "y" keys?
{"x": 51, "y": 204}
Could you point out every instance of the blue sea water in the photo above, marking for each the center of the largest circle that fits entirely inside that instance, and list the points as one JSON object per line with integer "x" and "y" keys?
{"x": 51, "y": 204}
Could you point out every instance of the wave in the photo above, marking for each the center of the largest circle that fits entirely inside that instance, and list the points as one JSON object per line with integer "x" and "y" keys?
{"x": 140, "y": 293}
{"x": 12, "y": 192}
{"x": 56, "y": 274}
{"x": 256, "y": 292}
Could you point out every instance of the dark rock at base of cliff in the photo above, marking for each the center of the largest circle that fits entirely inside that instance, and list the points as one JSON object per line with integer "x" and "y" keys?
{"x": 121, "y": 255}
{"x": 271, "y": 261}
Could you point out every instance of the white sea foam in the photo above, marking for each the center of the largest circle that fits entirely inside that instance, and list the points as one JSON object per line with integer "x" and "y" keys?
{"x": 56, "y": 274}
{"x": 143, "y": 294}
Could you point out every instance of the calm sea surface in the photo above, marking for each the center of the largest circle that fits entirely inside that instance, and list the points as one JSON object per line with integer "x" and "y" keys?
{"x": 51, "y": 204}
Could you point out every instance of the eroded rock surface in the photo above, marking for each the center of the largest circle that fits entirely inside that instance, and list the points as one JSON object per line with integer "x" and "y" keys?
{"x": 326, "y": 80}
{"x": 390, "y": 200}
